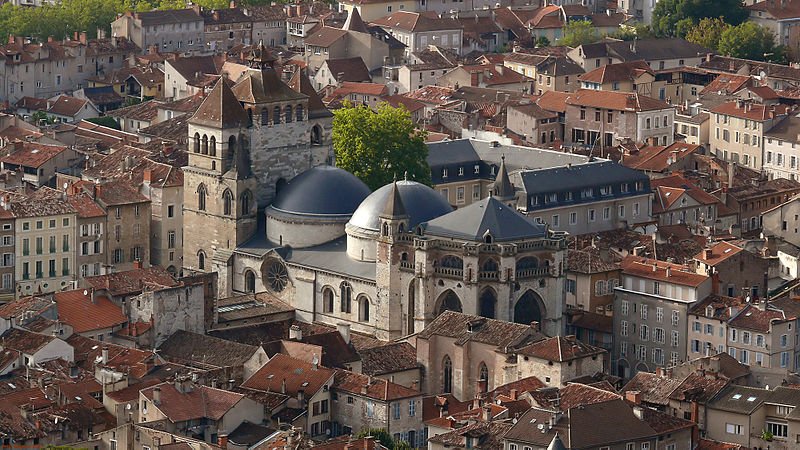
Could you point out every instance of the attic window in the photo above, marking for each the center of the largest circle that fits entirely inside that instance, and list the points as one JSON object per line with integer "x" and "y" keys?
{"x": 751, "y": 399}
{"x": 727, "y": 250}
{"x": 737, "y": 396}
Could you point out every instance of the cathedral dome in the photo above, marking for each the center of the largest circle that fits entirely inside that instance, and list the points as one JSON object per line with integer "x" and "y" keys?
{"x": 421, "y": 203}
{"x": 322, "y": 191}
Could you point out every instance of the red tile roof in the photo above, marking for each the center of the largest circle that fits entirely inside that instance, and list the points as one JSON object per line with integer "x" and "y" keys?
{"x": 658, "y": 158}
{"x": 751, "y": 111}
{"x": 200, "y": 402}
{"x": 627, "y": 71}
{"x": 560, "y": 349}
{"x": 376, "y": 388}
{"x": 132, "y": 282}
{"x": 83, "y": 314}
{"x": 296, "y": 374}
{"x": 718, "y": 253}
{"x": 417, "y": 21}
{"x": 618, "y": 101}
{"x": 756, "y": 319}
{"x": 31, "y": 154}
{"x": 85, "y": 206}
{"x": 661, "y": 271}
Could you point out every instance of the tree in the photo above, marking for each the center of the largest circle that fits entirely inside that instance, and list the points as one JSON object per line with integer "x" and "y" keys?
{"x": 380, "y": 434}
{"x": 579, "y": 32}
{"x": 708, "y": 33}
{"x": 379, "y": 146}
{"x": 542, "y": 41}
{"x": 106, "y": 121}
{"x": 748, "y": 41}
{"x": 668, "y": 13}
{"x": 41, "y": 117}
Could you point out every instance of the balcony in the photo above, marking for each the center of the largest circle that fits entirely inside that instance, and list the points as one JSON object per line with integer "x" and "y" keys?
{"x": 493, "y": 275}
{"x": 406, "y": 266}
{"x": 450, "y": 272}
{"x": 533, "y": 273}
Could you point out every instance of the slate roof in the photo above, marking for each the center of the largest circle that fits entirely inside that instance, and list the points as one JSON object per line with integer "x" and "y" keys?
{"x": 185, "y": 346}
{"x": 739, "y": 399}
{"x": 201, "y": 402}
{"x": 388, "y": 359}
{"x": 85, "y": 314}
{"x": 220, "y": 109}
{"x": 486, "y": 331}
{"x": 297, "y": 375}
{"x": 578, "y": 176}
{"x": 490, "y": 216}
{"x": 151, "y": 18}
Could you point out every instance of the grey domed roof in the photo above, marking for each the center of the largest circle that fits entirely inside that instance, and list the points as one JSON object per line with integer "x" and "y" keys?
{"x": 420, "y": 202}
{"x": 323, "y": 190}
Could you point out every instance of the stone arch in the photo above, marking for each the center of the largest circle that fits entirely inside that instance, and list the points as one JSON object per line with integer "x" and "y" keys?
{"x": 529, "y": 308}
{"x": 197, "y": 142}
{"x": 363, "y": 308}
{"x": 641, "y": 366}
{"x": 276, "y": 115}
{"x": 346, "y": 294}
{"x": 624, "y": 368}
{"x": 201, "y": 197}
{"x": 448, "y": 301}
{"x": 289, "y": 117}
{"x": 328, "y": 297}
{"x": 483, "y": 375}
{"x": 227, "y": 202}
{"x": 316, "y": 135}
{"x": 264, "y": 116}
{"x": 412, "y": 299}
{"x": 229, "y": 155}
{"x": 205, "y": 144}
{"x": 249, "y": 281}
{"x": 300, "y": 113}
{"x": 447, "y": 374}
{"x": 487, "y": 303}
{"x": 451, "y": 262}
{"x": 201, "y": 260}
{"x": 212, "y": 146}
{"x": 246, "y": 201}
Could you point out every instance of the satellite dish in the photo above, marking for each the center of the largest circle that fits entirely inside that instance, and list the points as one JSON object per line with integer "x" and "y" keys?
{"x": 128, "y": 406}
{"x": 66, "y": 185}
{"x": 85, "y": 292}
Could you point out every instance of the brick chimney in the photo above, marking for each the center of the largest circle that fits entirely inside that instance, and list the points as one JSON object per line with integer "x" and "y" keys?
{"x": 707, "y": 253}
{"x": 222, "y": 440}
{"x": 634, "y": 397}
{"x": 157, "y": 396}
{"x": 137, "y": 264}
{"x": 147, "y": 177}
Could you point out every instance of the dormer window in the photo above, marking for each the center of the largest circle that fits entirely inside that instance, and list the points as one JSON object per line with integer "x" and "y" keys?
{"x": 444, "y": 173}
{"x": 624, "y": 188}
{"x": 605, "y": 190}
{"x": 709, "y": 311}
{"x": 477, "y": 169}
{"x": 461, "y": 171}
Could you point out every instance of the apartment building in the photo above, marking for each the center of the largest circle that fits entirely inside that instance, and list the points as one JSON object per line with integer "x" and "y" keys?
{"x": 782, "y": 149}
{"x": 708, "y": 325}
{"x": 634, "y": 76}
{"x": 37, "y": 162}
{"x": 175, "y": 30}
{"x": 738, "y": 129}
{"x": 128, "y": 224}
{"x": 45, "y": 239}
{"x": 7, "y": 237}
{"x": 738, "y": 272}
{"x": 651, "y": 313}
{"x": 599, "y": 119}
{"x": 679, "y": 201}
{"x": 418, "y": 30}
{"x": 90, "y": 235}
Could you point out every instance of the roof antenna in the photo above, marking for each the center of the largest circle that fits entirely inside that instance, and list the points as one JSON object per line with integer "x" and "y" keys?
{"x": 405, "y": 175}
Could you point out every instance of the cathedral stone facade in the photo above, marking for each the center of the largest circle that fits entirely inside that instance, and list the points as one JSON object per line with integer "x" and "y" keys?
{"x": 265, "y": 211}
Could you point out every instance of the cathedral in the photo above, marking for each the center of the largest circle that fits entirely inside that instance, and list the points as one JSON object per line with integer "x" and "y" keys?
{"x": 264, "y": 209}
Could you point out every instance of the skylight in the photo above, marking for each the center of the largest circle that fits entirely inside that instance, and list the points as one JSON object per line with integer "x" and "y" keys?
{"x": 737, "y": 396}
{"x": 751, "y": 399}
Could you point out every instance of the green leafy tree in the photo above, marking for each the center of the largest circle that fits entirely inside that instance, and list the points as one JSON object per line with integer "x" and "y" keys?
{"x": 40, "y": 117}
{"x": 106, "y": 121}
{"x": 747, "y": 40}
{"x": 668, "y": 13}
{"x": 379, "y": 146}
{"x": 542, "y": 41}
{"x": 380, "y": 434}
{"x": 402, "y": 445}
{"x": 579, "y": 32}
{"x": 708, "y": 33}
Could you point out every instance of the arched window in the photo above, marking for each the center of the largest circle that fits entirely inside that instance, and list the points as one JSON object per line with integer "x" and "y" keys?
{"x": 363, "y": 309}
{"x": 246, "y": 203}
{"x": 327, "y": 300}
{"x": 212, "y": 150}
{"x": 452, "y": 262}
{"x": 385, "y": 229}
{"x": 201, "y": 260}
{"x": 205, "y": 144}
{"x": 483, "y": 372}
{"x": 197, "y": 142}
{"x": 227, "y": 202}
{"x": 201, "y": 197}
{"x": 264, "y": 116}
{"x": 300, "y": 112}
{"x": 447, "y": 375}
{"x": 316, "y": 135}
{"x": 289, "y": 117}
{"x": 231, "y": 144}
{"x": 490, "y": 265}
{"x": 276, "y": 115}
{"x": 347, "y": 297}
{"x": 249, "y": 281}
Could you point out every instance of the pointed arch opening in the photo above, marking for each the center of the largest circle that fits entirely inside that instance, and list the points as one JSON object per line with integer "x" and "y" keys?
{"x": 201, "y": 260}
{"x": 316, "y": 135}
{"x": 227, "y": 202}
{"x": 276, "y": 115}
{"x": 201, "y": 197}
{"x": 264, "y": 116}
{"x": 448, "y": 301}
{"x": 363, "y": 308}
{"x": 205, "y": 144}
{"x": 487, "y": 303}
{"x": 529, "y": 308}
{"x": 447, "y": 375}
{"x": 346, "y": 293}
{"x": 197, "y": 142}
{"x": 249, "y": 281}
{"x": 246, "y": 201}
{"x": 212, "y": 146}
{"x": 289, "y": 114}
{"x": 300, "y": 112}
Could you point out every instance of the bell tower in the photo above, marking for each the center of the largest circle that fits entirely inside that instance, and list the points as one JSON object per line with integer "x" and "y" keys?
{"x": 219, "y": 187}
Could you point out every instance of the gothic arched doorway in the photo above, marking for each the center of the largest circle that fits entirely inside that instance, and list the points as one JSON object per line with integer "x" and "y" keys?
{"x": 448, "y": 301}
{"x": 487, "y": 303}
{"x": 529, "y": 308}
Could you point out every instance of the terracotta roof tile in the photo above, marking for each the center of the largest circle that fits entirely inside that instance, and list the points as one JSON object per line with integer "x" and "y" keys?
{"x": 24, "y": 341}
{"x": 751, "y": 111}
{"x": 753, "y": 318}
{"x": 560, "y": 349}
{"x": 718, "y": 253}
{"x": 627, "y": 71}
{"x": 661, "y": 271}
{"x": 133, "y": 282}
{"x": 464, "y": 328}
{"x": 417, "y": 22}
{"x": 201, "y": 402}
{"x": 618, "y": 101}
{"x": 31, "y": 154}
{"x": 376, "y": 388}
{"x": 84, "y": 313}
{"x": 297, "y": 375}
{"x": 390, "y": 358}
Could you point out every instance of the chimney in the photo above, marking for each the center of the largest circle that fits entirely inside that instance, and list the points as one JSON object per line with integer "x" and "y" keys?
{"x": 513, "y": 394}
{"x": 137, "y": 264}
{"x": 486, "y": 412}
{"x": 104, "y": 354}
{"x": 147, "y": 177}
{"x": 344, "y": 330}
{"x": 535, "y": 326}
{"x": 669, "y": 271}
{"x": 92, "y": 296}
{"x": 83, "y": 38}
{"x": 283, "y": 386}
{"x": 222, "y": 439}
{"x": 708, "y": 57}
{"x": 634, "y": 397}
{"x": 707, "y": 253}
{"x": 50, "y": 39}
{"x": 301, "y": 395}
{"x": 157, "y": 396}
{"x": 10, "y": 38}
{"x": 295, "y": 333}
